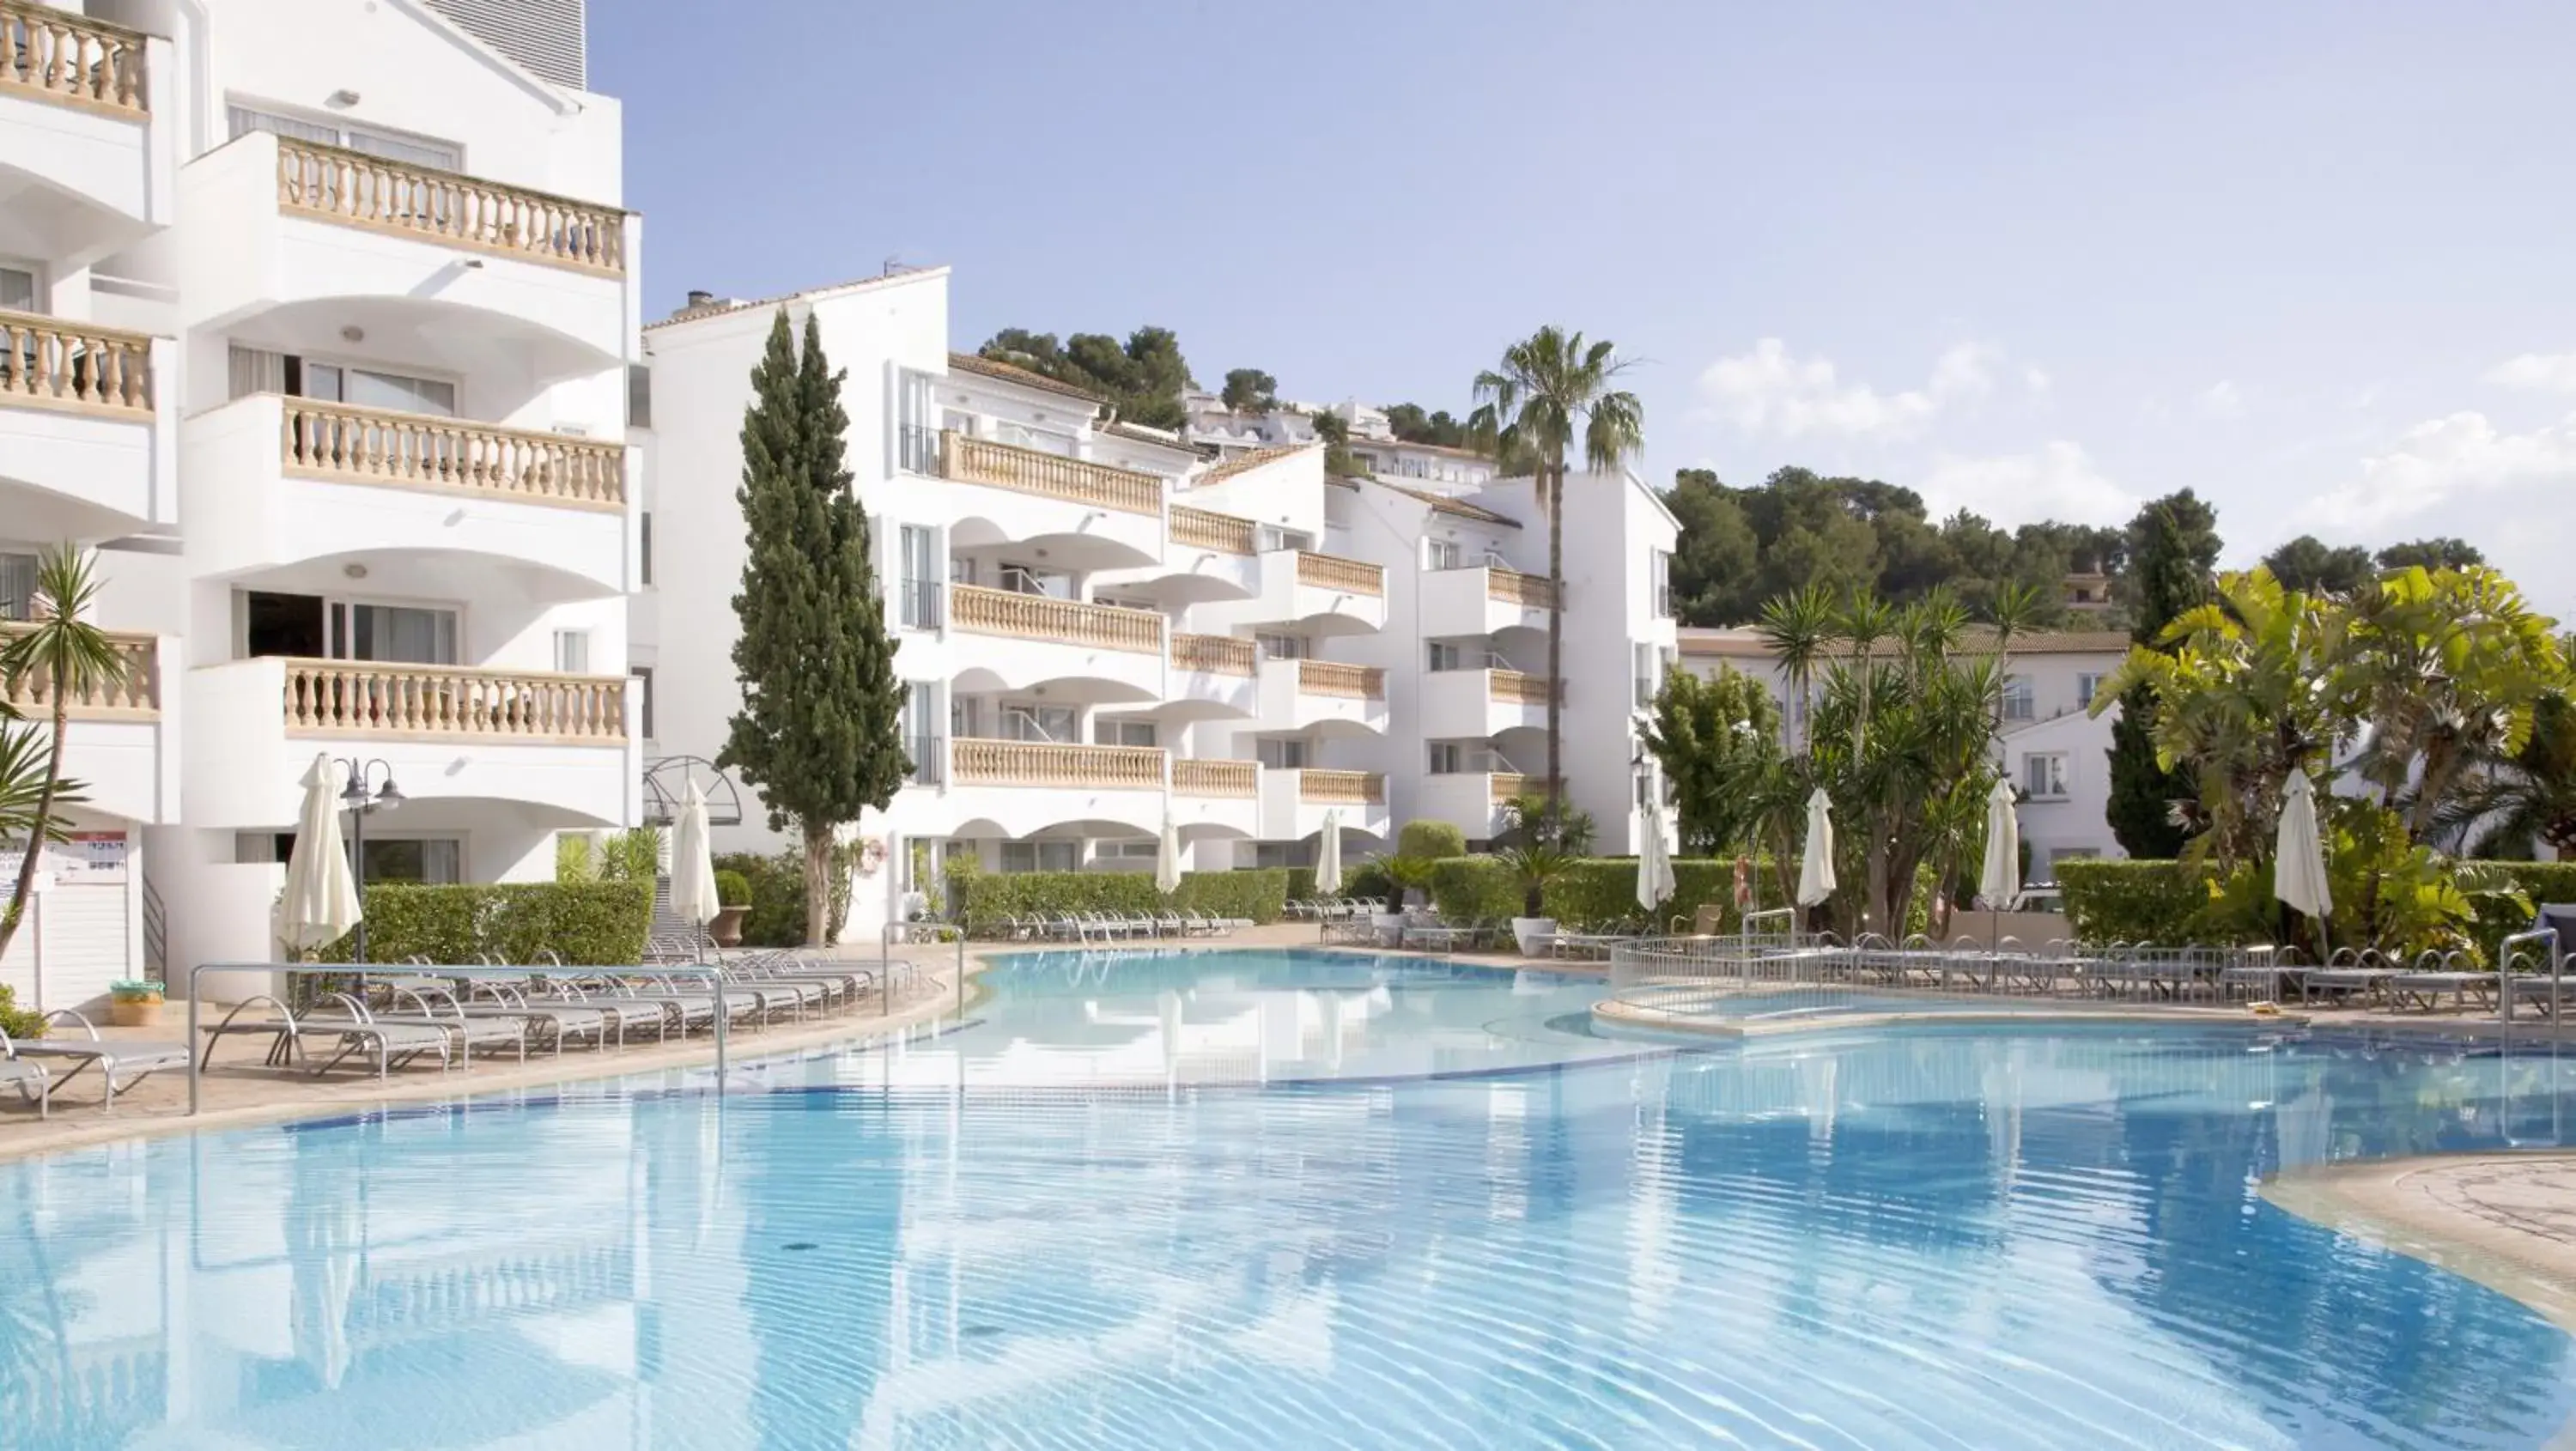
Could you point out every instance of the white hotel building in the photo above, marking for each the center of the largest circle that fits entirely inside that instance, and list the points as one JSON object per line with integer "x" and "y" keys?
{"x": 1101, "y": 623}
{"x": 315, "y": 320}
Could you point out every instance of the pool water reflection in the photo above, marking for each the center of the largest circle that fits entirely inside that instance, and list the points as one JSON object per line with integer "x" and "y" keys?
{"x": 1218, "y": 1201}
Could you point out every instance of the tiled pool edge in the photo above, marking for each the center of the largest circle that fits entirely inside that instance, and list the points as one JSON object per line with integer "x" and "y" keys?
{"x": 2389, "y": 1203}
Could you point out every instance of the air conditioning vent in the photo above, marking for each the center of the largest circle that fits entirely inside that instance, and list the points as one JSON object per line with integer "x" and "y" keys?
{"x": 543, "y": 35}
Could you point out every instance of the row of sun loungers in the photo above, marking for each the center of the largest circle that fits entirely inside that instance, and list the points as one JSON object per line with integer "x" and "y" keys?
{"x": 1328, "y": 909}
{"x": 1113, "y": 926}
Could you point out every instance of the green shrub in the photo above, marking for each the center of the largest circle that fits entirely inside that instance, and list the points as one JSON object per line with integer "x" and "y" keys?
{"x": 774, "y": 889}
{"x": 580, "y": 922}
{"x": 1301, "y": 884}
{"x": 1475, "y": 889}
{"x": 1371, "y": 881}
{"x": 1259, "y": 893}
{"x": 733, "y": 889}
{"x": 1601, "y": 892}
{"x": 575, "y": 861}
{"x": 632, "y": 856}
{"x": 1430, "y": 841}
{"x": 2133, "y": 901}
{"x": 984, "y": 899}
{"x": 16, "y": 1021}
{"x": 2498, "y": 916}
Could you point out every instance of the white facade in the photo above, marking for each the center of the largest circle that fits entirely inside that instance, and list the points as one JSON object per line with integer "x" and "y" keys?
{"x": 328, "y": 310}
{"x": 1100, "y": 624}
{"x": 2053, "y": 751}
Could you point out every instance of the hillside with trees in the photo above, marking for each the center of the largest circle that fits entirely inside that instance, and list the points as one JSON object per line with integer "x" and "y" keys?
{"x": 1144, "y": 376}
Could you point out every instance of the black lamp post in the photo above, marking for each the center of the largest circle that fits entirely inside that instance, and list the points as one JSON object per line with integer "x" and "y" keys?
{"x": 358, "y": 801}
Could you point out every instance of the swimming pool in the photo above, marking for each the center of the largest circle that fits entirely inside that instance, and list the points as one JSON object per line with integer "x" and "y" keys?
{"x": 1276, "y": 1199}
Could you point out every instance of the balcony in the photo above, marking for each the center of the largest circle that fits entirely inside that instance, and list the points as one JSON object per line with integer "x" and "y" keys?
{"x": 1327, "y": 697}
{"x": 1088, "y": 515}
{"x": 279, "y": 481}
{"x": 1295, "y": 803}
{"x": 560, "y": 743}
{"x": 1217, "y": 780}
{"x": 1093, "y": 653}
{"x": 1020, "y": 788}
{"x": 1481, "y": 704}
{"x": 1213, "y": 677}
{"x": 117, "y": 746}
{"x": 1318, "y": 594}
{"x": 82, "y": 454}
{"x": 1473, "y": 800}
{"x": 84, "y": 162}
{"x": 1483, "y": 601}
{"x": 318, "y": 240}
{"x": 1211, "y": 556}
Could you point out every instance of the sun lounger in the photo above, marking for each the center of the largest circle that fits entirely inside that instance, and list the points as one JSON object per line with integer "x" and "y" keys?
{"x": 552, "y": 1023}
{"x": 120, "y": 1064}
{"x": 392, "y": 1044}
{"x": 450, "y": 1016}
{"x": 29, "y": 1078}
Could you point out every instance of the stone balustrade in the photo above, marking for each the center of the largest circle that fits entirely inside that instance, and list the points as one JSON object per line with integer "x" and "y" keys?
{"x": 1234, "y": 779}
{"x": 1511, "y": 785}
{"x": 1032, "y": 471}
{"x": 1325, "y": 571}
{"x": 135, "y": 694}
{"x": 984, "y": 611}
{"x": 420, "y": 451}
{"x": 976, "y": 762}
{"x": 379, "y": 698}
{"x": 68, "y": 58}
{"x": 1341, "y": 788}
{"x": 1513, "y": 687}
{"x": 78, "y": 367}
{"x": 1333, "y": 678}
{"x": 1214, "y": 654}
{"x": 1513, "y": 587}
{"x": 1207, "y": 529}
{"x": 355, "y": 189}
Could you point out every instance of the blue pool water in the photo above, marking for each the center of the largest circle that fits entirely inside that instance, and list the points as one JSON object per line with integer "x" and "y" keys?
{"x": 1298, "y": 1200}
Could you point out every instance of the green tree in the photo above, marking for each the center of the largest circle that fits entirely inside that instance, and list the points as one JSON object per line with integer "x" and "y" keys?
{"x": 1552, "y": 391}
{"x": 2511, "y": 803}
{"x": 2442, "y": 553}
{"x": 818, "y": 732}
{"x": 1250, "y": 390}
{"x": 2172, "y": 548}
{"x": 1143, "y": 378}
{"x": 59, "y": 657}
{"x": 1717, "y": 553}
{"x": 2310, "y": 566}
{"x": 1714, "y": 737}
{"x": 1408, "y": 422}
{"x": 1339, "y": 461}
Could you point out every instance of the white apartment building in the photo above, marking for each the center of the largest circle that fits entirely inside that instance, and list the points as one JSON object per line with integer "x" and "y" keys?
{"x": 2056, "y": 753}
{"x": 317, "y": 321}
{"x": 1101, "y": 624}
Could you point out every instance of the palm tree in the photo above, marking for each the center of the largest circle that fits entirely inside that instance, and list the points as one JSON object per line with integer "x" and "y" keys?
{"x": 2513, "y": 801}
{"x": 1551, "y": 387}
{"x": 1796, "y": 628}
{"x": 61, "y": 655}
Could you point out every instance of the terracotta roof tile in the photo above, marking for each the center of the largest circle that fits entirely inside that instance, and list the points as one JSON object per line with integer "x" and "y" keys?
{"x": 781, "y": 300}
{"x": 1246, "y": 462}
{"x": 1014, "y": 373}
{"x": 1442, "y": 503}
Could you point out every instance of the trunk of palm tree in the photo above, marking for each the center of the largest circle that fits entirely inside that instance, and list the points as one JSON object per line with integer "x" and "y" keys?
{"x": 1556, "y": 638}
{"x": 25, "y": 886}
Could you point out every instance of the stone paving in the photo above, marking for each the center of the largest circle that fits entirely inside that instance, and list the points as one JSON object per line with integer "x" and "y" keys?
{"x": 2506, "y": 1220}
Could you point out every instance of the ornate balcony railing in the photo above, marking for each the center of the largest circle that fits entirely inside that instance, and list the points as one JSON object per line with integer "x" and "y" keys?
{"x": 1206, "y": 529}
{"x": 1512, "y": 687}
{"x": 1513, "y": 587}
{"x": 1039, "y": 763}
{"x": 355, "y": 189}
{"x": 1214, "y": 654}
{"x": 377, "y": 698}
{"x": 137, "y": 696}
{"x": 1030, "y": 471}
{"x": 52, "y": 362}
{"x": 66, "y": 57}
{"x": 1332, "y": 677}
{"x": 1341, "y": 788}
{"x": 1325, "y": 571}
{"x": 421, "y": 451}
{"x": 1235, "y": 779}
{"x": 1511, "y": 785}
{"x": 1042, "y": 617}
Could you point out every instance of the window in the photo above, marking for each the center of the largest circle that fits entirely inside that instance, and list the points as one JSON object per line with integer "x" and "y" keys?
{"x": 1127, "y": 853}
{"x": 1048, "y": 723}
{"x": 916, "y": 435}
{"x": 1041, "y": 856}
{"x": 436, "y": 861}
{"x": 18, "y": 289}
{"x": 1442, "y": 553}
{"x": 1267, "y": 854}
{"x": 1444, "y": 655}
{"x": 1270, "y": 537}
{"x": 1447, "y": 758}
{"x": 1021, "y": 579}
{"x": 1659, "y": 566}
{"x": 2019, "y": 703}
{"x": 639, "y": 396}
{"x": 417, "y": 150}
{"x": 1106, "y": 732}
{"x": 642, "y": 675}
{"x": 572, "y": 652}
{"x": 920, "y": 551}
{"x": 1282, "y": 647}
{"x": 1281, "y": 754}
{"x": 921, "y": 731}
{"x": 2086, "y": 687}
{"x": 2043, "y": 775}
{"x": 250, "y": 370}
{"x": 644, "y": 544}
{"x": 1648, "y": 677}
{"x": 17, "y": 586}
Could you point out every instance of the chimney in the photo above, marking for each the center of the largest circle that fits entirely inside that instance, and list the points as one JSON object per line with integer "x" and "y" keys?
{"x": 700, "y": 298}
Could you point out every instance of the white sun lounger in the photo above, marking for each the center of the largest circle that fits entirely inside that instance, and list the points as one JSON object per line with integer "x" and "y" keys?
{"x": 121, "y": 1064}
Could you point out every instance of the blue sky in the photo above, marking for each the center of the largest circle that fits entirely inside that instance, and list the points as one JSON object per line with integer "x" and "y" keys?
{"x": 2317, "y": 260}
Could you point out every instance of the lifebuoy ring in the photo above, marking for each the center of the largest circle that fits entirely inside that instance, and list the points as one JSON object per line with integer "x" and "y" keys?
{"x": 872, "y": 855}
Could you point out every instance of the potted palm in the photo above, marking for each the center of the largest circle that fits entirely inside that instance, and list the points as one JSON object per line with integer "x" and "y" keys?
{"x": 733, "y": 903}
{"x": 134, "y": 1003}
{"x": 1534, "y": 866}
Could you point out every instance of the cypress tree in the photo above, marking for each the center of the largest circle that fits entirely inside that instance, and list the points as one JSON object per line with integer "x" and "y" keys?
{"x": 819, "y": 732}
{"x": 2173, "y": 547}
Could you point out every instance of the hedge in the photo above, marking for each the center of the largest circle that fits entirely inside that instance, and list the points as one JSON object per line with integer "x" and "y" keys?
{"x": 1602, "y": 892}
{"x": 580, "y": 922}
{"x": 1475, "y": 889}
{"x": 777, "y": 915}
{"x": 2132, "y": 901}
{"x": 981, "y": 899}
{"x": 1432, "y": 840}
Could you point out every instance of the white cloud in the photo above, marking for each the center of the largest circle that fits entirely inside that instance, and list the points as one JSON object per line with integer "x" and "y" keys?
{"x": 2035, "y": 379}
{"x": 2058, "y": 481}
{"x": 2546, "y": 372}
{"x": 2221, "y": 399}
{"x": 1771, "y": 390}
{"x": 2443, "y": 459}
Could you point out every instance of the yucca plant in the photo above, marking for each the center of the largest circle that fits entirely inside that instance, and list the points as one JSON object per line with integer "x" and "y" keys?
{"x": 57, "y": 656}
{"x": 1535, "y": 865}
